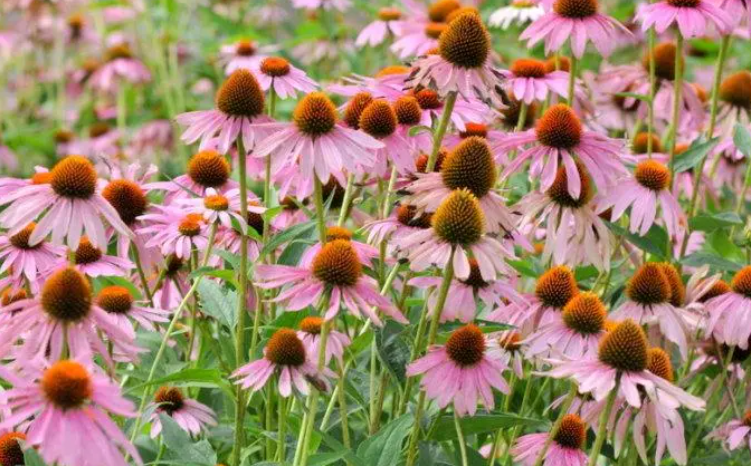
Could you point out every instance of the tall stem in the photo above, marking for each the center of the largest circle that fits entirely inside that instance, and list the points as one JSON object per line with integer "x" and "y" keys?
{"x": 448, "y": 108}
{"x": 558, "y": 422}
{"x": 320, "y": 215}
{"x": 142, "y": 275}
{"x": 652, "y": 91}
{"x": 572, "y": 81}
{"x": 678, "y": 83}
{"x": 603, "y": 427}
{"x": 460, "y": 439}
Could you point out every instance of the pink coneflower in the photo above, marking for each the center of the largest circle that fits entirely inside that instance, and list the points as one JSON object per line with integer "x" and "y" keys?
{"x": 174, "y": 232}
{"x": 519, "y": 12}
{"x": 729, "y": 313}
{"x": 278, "y": 74}
{"x": 71, "y": 394}
{"x": 690, "y": 16}
{"x": 623, "y": 354}
{"x": 310, "y": 335}
{"x": 380, "y": 121}
{"x": 388, "y": 83}
{"x": 336, "y": 267}
{"x": 191, "y": 415}
{"x": 73, "y": 203}
{"x": 579, "y": 21}
{"x": 239, "y": 105}
{"x": 405, "y": 219}
{"x": 417, "y": 39}
{"x": 529, "y": 80}
{"x": 206, "y": 170}
{"x": 365, "y": 252}
{"x": 221, "y": 208}
{"x": 64, "y": 311}
{"x": 95, "y": 262}
{"x": 494, "y": 138}
{"x": 558, "y": 136}
{"x": 243, "y": 54}
{"x": 389, "y": 23}
{"x": 735, "y": 433}
{"x": 466, "y": 110}
{"x": 458, "y": 229}
{"x": 174, "y": 285}
{"x": 24, "y": 262}
{"x": 284, "y": 355}
{"x": 461, "y": 372}
{"x": 648, "y": 189}
{"x": 120, "y": 65}
{"x": 509, "y": 352}
{"x": 317, "y": 140}
{"x": 575, "y": 234}
{"x": 229, "y": 238}
{"x": 460, "y": 302}
{"x": 564, "y": 450}
{"x": 119, "y": 303}
{"x": 463, "y": 62}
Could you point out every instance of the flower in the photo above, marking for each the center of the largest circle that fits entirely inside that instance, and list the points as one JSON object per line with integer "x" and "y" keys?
{"x": 239, "y": 104}
{"x": 278, "y": 74}
{"x": 564, "y": 450}
{"x": 206, "y": 170}
{"x": 387, "y": 83}
{"x": 529, "y": 80}
{"x": 558, "y": 137}
{"x": 93, "y": 262}
{"x": 310, "y": 335}
{"x": 518, "y": 12}
{"x": 315, "y": 137}
{"x": 461, "y": 372}
{"x": 189, "y": 414}
{"x": 728, "y": 312}
{"x": 221, "y": 208}
{"x": 508, "y": 350}
{"x": 405, "y": 219}
{"x": 120, "y": 64}
{"x": 690, "y": 16}
{"x": 64, "y": 311}
{"x": 380, "y": 121}
{"x": 69, "y": 204}
{"x": 25, "y": 262}
{"x": 579, "y": 21}
{"x": 71, "y": 394}
{"x": 389, "y": 22}
{"x": 417, "y": 39}
{"x": 466, "y": 110}
{"x": 243, "y": 54}
{"x": 457, "y": 227}
{"x": 337, "y": 268}
{"x": 644, "y": 192}
{"x": 118, "y": 302}
{"x": 734, "y": 433}
{"x": 284, "y": 355}
{"x": 174, "y": 232}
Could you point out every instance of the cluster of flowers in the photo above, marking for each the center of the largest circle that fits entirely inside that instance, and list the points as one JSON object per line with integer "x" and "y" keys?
{"x": 518, "y": 224}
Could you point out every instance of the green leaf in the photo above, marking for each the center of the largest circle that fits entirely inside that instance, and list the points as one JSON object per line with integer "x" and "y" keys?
{"x": 323, "y": 459}
{"x": 654, "y": 242}
{"x": 191, "y": 377}
{"x": 290, "y": 234}
{"x": 393, "y": 351}
{"x": 742, "y": 139}
{"x": 180, "y": 445}
{"x": 714, "y": 222}
{"x": 32, "y": 458}
{"x": 445, "y": 429}
{"x": 218, "y": 303}
{"x": 698, "y": 259}
{"x": 633, "y": 95}
{"x": 698, "y": 150}
{"x": 385, "y": 447}
{"x": 415, "y": 130}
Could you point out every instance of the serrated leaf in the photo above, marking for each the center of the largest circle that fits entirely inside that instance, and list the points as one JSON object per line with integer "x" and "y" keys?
{"x": 694, "y": 154}
{"x": 218, "y": 303}
{"x": 654, "y": 242}
{"x": 716, "y": 262}
{"x": 445, "y": 429}
{"x": 393, "y": 351}
{"x": 385, "y": 447}
{"x": 714, "y": 222}
{"x": 180, "y": 445}
{"x": 742, "y": 139}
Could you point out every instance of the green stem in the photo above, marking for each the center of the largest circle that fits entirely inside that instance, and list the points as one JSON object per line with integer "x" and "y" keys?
{"x": 677, "y": 92}
{"x": 603, "y": 427}
{"x": 389, "y": 191}
{"x": 448, "y": 107}
{"x": 572, "y": 81}
{"x": 280, "y": 450}
{"x": 724, "y": 363}
{"x": 652, "y": 91}
{"x": 557, "y": 426}
{"x": 517, "y": 429}
{"x": 344, "y": 210}
{"x": 343, "y": 410}
{"x": 142, "y": 275}
{"x": 460, "y": 439}
{"x": 320, "y": 214}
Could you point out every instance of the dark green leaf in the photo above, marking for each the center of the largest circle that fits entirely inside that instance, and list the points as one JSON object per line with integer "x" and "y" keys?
{"x": 32, "y": 458}
{"x": 698, "y": 150}
{"x": 218, "y": 303}
{"x": 385, "y": 447}
{"x": 445, "y": 429}
{"x": 180, "y": 445}
{"x": 654, "y": 242}
{"x": 415, "y": 130}
{"x": 301, "y": 230}
{"x": 716, "y": 262}
{"x": 323, "y": 459}
{"x": 392, "y": 349}
{"x": 714, "y": 222}
{"x": 742, "y": 139}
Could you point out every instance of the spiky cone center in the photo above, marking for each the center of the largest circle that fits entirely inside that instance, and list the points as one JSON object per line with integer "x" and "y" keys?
{"x": 190, "y": 225}
{"x": 311, "y": 325}
{"x": 240, "y": 95}
{"x": 355, "y": 107}
{"x": 677, "y": 289}
{"x": 475, "y": 277}
{"x": 66, "y": 296}
{"x": 216, "y": 202}
{"x": 389, "y": 14}
{"x": 75, "y": 23}
{"x": 67, "y": 384}
{"x": 575, "y": 9}
{"x": 466, "y": 42}
{"x": 585, "y": 314}
{"x": 407, "y": 215}
{"x": 649, "y": 285}
{"x": 378, "y": 119}
{"x": 10, "y": 296}
{"x": 625, "y": 348}
{"x": 41, "y": 178}
{"x": 74, "y": 177}
{"x": 209, "y": 169}
{"x": 245, "y": 48}
{"x": 337, "y": 264}
{"x": 664, "y": 57}
{"x": 169, "y": 399}
{"x": 173, "y": 266}
{"x": 572, "y": 433}
{"x": 86, "y": 253}
{"x": 119, "y": 51}
{"x": 528, "y": 68}
{"x": 391, "y": 70}
{"x": 511, "y": 342}
{"x": 275, "y": 67}
{"x": 640, "y": 144}
{"x": 720, "y": 287}
{"x": 335, "y": 233}
{"x": 659, "y": 364}
{"x": 558, "y": 191}
{"x": 512, "y": 112}
{"x": 470, "y": 165}
{"x": 736, "y": 89}
{"x": 285, "y": 348}
{"x": 564, "y": 64}
{"x": 115, "y": 299}
{"x": 408, "y": 111}
{"x": 421, "y": 163}
{"x": 479, "y": 130}
{"x": 556, "y": 287}
{"x": 438, "y": 11}
{"x": 466, "y": 346}
{"x": 559, "y": 127}
{"x": 127, "y": 198}
{"x": 459, "y": 220}
{"x": 684, "y": 3}
{"x": 653, "y": 175}
{"x": 255, "y": 221}
{"x": 10, "y": 448}
{"x": 428, "y": 99}
{"x": 315, "y": 115}
{"x": 741, "y": 282}
{"x": 21, "y": 239}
